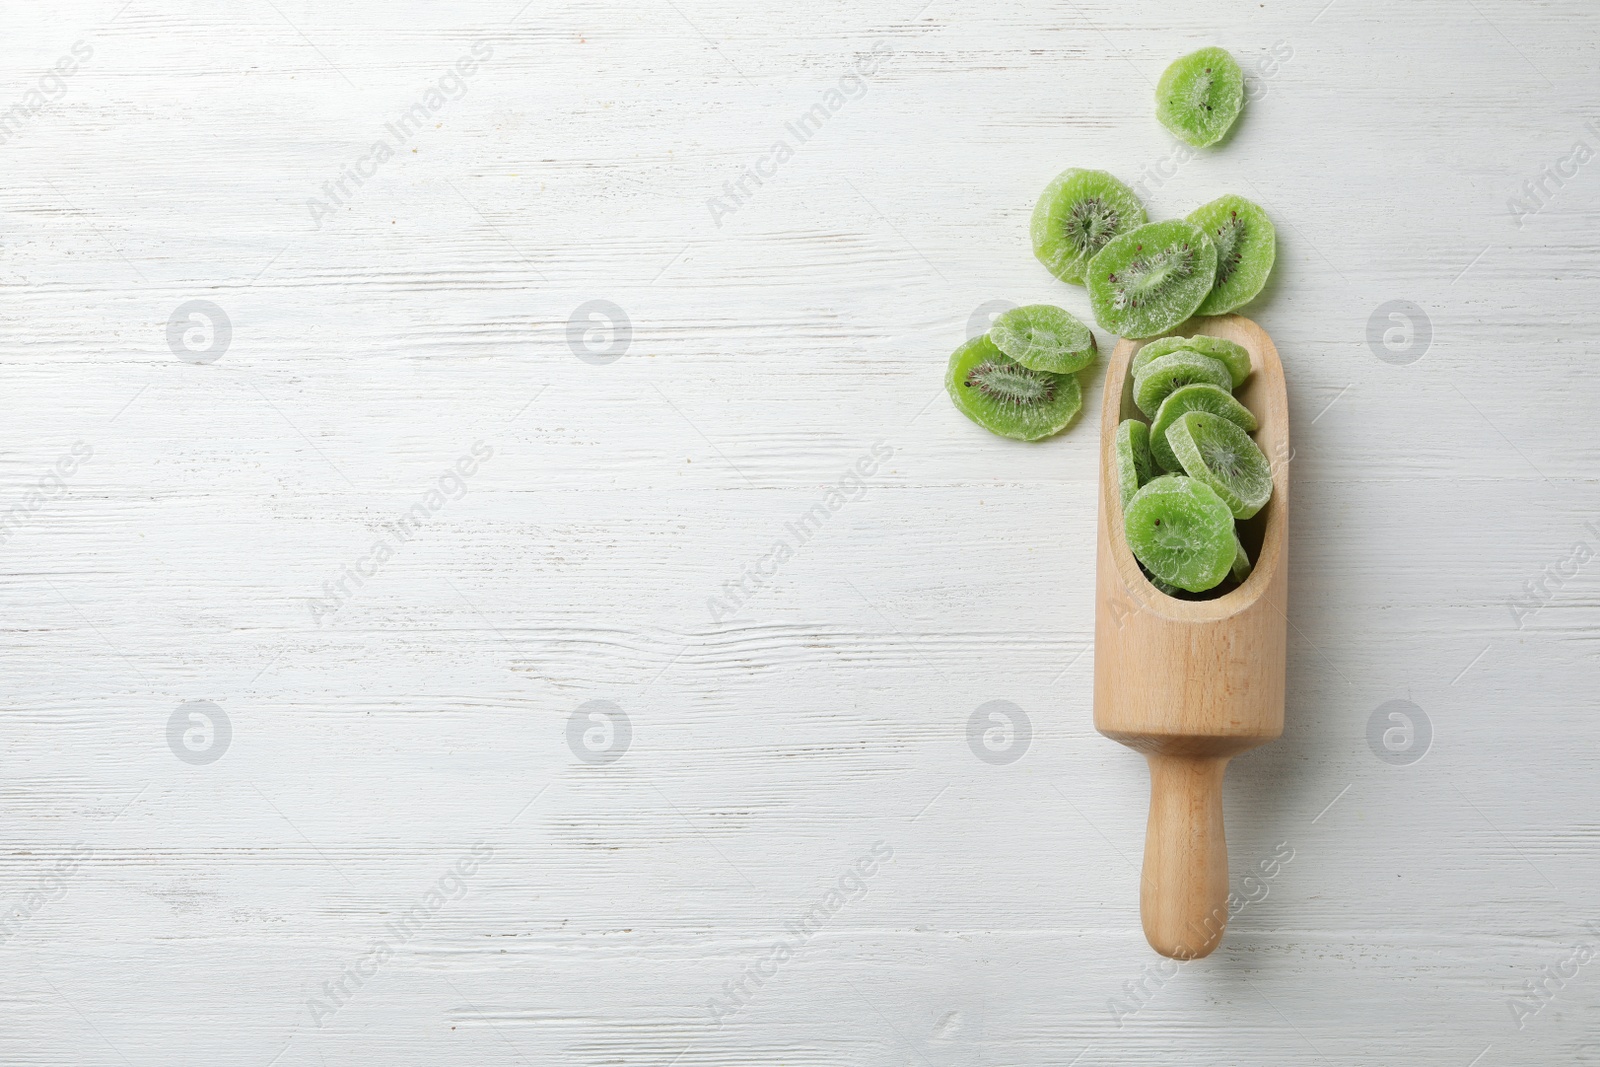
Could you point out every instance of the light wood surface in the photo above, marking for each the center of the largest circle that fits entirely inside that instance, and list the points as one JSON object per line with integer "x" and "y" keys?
{"x": 770, "y": 349}
{"x": 1191, "y": 683}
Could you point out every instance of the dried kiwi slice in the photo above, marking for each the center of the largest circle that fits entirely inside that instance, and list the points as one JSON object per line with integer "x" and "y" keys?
{"x": 1200, "y": 95}
{"x": 1076, "y": 215}
{"x": 1134, "y": 465}
{"x": 1173, "y": 371}
{"x": 1182, "y": 532}
{"x": 1218, "y": 453}
{"x": 1044, "y": 338}
{"x": 1003, "y": 396}
{"x": 1167, "y": 588}
{"x": 1235, "y": 356}
{"x": 1161, "y": 346}
{"x": 1151, "y": 279}
{"x": 1241, "y": 560}
{"x": 1201, "y": 396}
{"x": 1246, "y": 244}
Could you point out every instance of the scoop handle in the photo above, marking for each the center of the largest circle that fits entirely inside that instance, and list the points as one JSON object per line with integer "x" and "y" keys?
{"x": 1183, "y": 896}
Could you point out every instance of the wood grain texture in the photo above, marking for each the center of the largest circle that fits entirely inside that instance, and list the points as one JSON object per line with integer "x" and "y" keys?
{"x": 1445, "y": 516}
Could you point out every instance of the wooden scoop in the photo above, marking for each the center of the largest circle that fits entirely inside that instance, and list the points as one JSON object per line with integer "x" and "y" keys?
{"x": 1192, "y": 683}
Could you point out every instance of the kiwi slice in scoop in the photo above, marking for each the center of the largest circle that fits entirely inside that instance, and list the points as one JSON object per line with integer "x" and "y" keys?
{"x": 1182, "y": 532}
{"x": 1201, "y": 396}
{"x": 1134, "y": 465}
{"x": 1218, "y": 453}
{"x": 1173, "y": 371}
{"x": 1234, "y": 356}
{"x": 1241, "y": 560}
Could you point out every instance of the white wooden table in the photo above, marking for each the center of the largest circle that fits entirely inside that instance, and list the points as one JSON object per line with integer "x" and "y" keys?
{"x": 313, "y": 586}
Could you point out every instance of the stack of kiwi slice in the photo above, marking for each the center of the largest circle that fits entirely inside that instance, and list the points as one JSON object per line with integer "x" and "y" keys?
{"x": 1143, "y": 278}
{"x": 1019, "y": 380}
{"x": 1147, "y": 280}
{"x": 1190, "y": 474}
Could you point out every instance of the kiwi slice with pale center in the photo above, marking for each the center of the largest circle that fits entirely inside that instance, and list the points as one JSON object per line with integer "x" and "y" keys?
{"x": 1201, "y": 396}
{"x": 1234, "y": 356}
{"x": 1215, "y": 451}
{"x": 1044, "y": 338}
{"x": 1247, "y": 245}
{"x": 1182, "y": 532}
{"x": 1078, "y": 212}
{"x": 1173, "y": 371}
{"x": 1200, "y": 95}
{"x": 1134, "y": 465}
{"x": 1151, "y": 279}
{"x": 1007, "y": 398}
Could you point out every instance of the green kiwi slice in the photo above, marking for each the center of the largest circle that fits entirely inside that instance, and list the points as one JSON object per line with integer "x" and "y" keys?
{"x": 1201, "y": 396}
{"x": 1200, "y": 95}
{"x": 1234, "y": 356}
{"x": 1218, "y": 453}
{"x": 1241, "y": 560}
{"x": 1182, "y": 532}
{"x": 1076, "y": 215}
{"x": 1170, "y": 590}
{"x": 1044, "y": 338}
{"x": 1246, "y": 244}
{"x": 1149, "y": 280}
{"x": 1134, "y": 465}
{"x": 1003, "y": 396}
{"x": 1173, "y": 371}
{"x": 1161, "y": 346}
